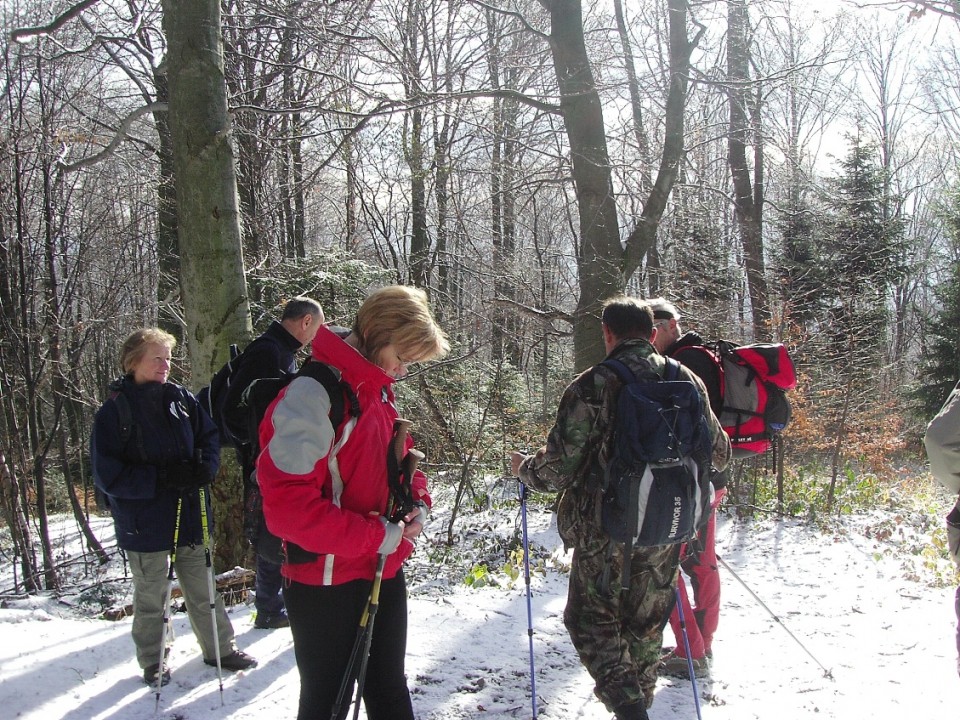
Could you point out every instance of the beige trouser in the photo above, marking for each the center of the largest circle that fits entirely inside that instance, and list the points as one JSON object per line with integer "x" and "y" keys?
{"x": 149, "y": 591}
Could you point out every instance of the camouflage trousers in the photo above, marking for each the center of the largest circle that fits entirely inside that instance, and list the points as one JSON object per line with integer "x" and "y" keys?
{"x": 618, "y": 635}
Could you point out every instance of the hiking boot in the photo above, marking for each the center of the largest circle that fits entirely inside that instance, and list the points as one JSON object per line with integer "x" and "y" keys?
{"x": 150, "y": 675}
{"x": 237, "y": 660}
{"x": 677, "y": 666}
{"x": 634, "y": 711}
{"x": 271, "y": 622}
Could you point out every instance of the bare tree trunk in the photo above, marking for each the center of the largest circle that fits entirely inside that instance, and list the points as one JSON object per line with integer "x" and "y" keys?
{"x": 502, "y": 198}
{"x": 418, "y": 260}
{"x": 212, "y": 274}
{"x": 636, "y": 109}
{"x": 16, "y": 519}
{"x": 445, "y": 132}
{"x": 91, "y": 540}
{"x": 168, "y": 256}
{"x": 58, "y": 366}
{"x": 351, "y": 239}
{"x": 748, "y": 197}
{"x": 837, "y": 455}
{"x": 16, "y": 352}
{"x": 599, "y": 254}
{"x": 643, "y": 237}
{"x": 299, "y": 201}
{"x": 39, "y": 445}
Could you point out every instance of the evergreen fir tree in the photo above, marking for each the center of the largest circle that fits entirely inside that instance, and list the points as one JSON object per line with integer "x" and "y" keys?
{"x": 860, "y": 262}
{"x": 801, "y": 267}
{"x": 939, "y": 367}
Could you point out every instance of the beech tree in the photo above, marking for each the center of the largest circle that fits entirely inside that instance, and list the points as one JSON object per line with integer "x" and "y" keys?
{"x": 604, "y": 264}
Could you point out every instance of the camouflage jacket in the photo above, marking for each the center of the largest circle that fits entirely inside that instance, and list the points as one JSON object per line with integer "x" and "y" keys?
{"x": 579, "y": 444}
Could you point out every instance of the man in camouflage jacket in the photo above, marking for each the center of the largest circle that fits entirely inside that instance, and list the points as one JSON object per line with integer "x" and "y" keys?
{"x": 617, "y": 635}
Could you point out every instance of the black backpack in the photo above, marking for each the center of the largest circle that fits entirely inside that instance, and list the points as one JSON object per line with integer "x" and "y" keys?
{"x": 212, "y": 397}
{"x": 656, "y": 488}
{"x": 252, "y": 407}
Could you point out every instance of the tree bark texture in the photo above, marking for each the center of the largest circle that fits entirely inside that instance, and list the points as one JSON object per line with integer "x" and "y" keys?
{"x": 212, "y": 271}
{"x": 600, "y": 255}
{"x": 212, "y": 282}
{"x": 747, "y": 198}
{"x": 603, "y": 264}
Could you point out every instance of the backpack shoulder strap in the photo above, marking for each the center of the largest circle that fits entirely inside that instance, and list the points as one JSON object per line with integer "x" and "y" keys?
{"x": 128, "y": 427}
{"x": 341, "y": 395}
{"x": 671, "y": 369}
{"x": 623, "y": 372}
{"x": 125, "y": 414}
{"x": 626, "y": 375}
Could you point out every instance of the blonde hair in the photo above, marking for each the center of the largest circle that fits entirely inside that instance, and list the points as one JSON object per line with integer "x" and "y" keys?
{"x": 401, "y": 315}
{"x": 135, "y": 346}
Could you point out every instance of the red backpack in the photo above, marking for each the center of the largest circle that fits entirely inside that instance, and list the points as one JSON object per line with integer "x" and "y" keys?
{"x": 747, "y": 385}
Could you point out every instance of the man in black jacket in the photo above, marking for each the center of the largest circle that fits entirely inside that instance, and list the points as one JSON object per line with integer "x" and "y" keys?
{"x": 270, "y": 355}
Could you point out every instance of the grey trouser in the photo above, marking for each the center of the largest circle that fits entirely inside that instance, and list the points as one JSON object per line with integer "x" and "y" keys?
{"x": 149, "y": 591}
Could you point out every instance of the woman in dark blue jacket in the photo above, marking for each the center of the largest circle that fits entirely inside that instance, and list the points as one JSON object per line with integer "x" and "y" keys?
{"x": 153, "y": 448}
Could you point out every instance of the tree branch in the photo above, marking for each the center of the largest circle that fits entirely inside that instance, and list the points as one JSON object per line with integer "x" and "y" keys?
{"x": 117, "y": 138}
{"x": 22, "y": 34}
{"x": 532, "y": 312}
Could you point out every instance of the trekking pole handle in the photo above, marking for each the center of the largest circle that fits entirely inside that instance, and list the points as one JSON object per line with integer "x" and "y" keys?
{"x": 401, "y": 429}
{"x": 407, "y": 463}
{"x": 408, "y": 467}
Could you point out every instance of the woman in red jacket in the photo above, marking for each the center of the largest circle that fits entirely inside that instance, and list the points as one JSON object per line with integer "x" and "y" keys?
{"x": 326, "y": 493}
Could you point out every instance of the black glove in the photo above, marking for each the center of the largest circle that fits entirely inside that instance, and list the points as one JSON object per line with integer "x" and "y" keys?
{"x": 184, "y": 476}
{"x": 200, "y": 475}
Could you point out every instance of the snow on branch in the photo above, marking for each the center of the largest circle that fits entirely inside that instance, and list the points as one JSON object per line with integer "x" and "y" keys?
{"x": 24, "y": 34}
{"x": 117, "y": 137}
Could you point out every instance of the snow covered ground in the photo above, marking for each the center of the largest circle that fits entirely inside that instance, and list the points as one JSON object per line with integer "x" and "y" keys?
{"x": 854, "y": 604}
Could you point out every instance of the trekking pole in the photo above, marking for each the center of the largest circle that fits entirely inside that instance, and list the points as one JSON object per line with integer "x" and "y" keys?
{"x": 686, "y": 647}
{"x": 826, "y": 672}
{"x": 166, "y": 606}
{"x": 361, "y": 643}
{"x": 211, "y": 590}
{"x": 526, "y": 578}
{"x": 371, "y": 613}
{"x": 399, "y": 465}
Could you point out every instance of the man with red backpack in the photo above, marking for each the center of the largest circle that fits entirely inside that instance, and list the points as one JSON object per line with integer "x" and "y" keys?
{"x": 698, "y": 557}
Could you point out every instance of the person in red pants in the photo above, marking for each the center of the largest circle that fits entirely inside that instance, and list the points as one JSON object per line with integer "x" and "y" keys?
{"x": 699, "y": 561}
{"x": 698, "y": 558}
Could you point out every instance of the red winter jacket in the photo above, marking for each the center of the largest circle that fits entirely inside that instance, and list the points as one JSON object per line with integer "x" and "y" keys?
{"x": 303, "y": 502}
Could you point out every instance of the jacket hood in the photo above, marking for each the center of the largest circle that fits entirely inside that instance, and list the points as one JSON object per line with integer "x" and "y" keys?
{"x": 332, "y": 348}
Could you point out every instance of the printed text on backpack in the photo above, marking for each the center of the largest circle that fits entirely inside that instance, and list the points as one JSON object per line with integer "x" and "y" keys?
{"x": 656, "y": 488}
